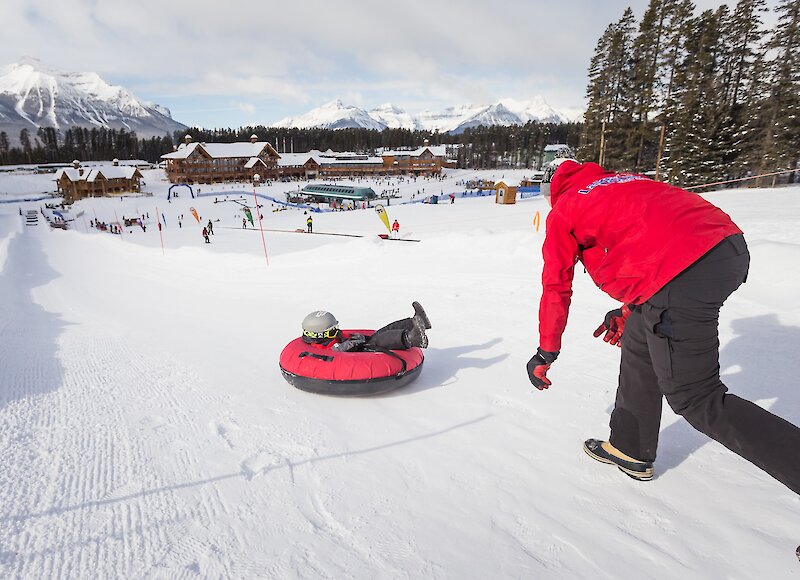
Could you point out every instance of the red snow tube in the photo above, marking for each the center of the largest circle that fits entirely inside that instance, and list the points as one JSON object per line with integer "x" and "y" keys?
{"x": 328, "y": 372}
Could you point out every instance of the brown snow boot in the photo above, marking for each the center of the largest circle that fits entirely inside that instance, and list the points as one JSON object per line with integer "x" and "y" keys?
{"x": 604, "y": 452}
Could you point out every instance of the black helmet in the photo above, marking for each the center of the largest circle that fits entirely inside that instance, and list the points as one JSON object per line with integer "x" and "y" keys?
{"x": 320, "y": 325}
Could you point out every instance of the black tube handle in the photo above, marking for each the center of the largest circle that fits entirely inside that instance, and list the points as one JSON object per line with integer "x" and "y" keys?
{"x": 321, "y": 357}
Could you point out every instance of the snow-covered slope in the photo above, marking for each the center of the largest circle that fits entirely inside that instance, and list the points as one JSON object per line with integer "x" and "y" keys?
{"x": 32, "y": 96}
{"x": 336, "y": 115}
{"x": 146, "y": 430}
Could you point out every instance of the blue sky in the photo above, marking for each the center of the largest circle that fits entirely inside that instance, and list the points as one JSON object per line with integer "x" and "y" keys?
{"x": 226, "y": 64}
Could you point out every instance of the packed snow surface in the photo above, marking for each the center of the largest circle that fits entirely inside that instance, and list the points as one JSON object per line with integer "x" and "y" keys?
{"x": 146, "y": 430}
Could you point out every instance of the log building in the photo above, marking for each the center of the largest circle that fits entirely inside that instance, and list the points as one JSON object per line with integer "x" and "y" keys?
{"x": 77, "y": 182}
{"x": 222, "y": 162}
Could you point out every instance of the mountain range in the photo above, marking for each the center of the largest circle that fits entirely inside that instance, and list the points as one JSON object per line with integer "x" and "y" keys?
{"x": 32, "y": 96}
{"x": 337, "y": 115}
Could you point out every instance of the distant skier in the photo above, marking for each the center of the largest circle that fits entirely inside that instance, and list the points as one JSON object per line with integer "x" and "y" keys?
{"x": 244, "y": 223}
{"x": 309, "y": 224}
{"x": 205, "y": 235}
{"x": 672, "y": 259}
{"x": 395, "y": 230}
{"x": 210, "y": 228}
{"x": 321, "y": 329}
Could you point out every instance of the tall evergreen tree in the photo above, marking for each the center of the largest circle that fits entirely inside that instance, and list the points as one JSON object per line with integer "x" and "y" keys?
{"x": 781, "y": 140}
{"x": 4, "y": 147}
{"x": 25, "y": 143}
{"x": 649, "y": 50}
{"x": 680, "y": 21}
{"x": 741, "y": 92}
{"x": 693, "y": 121}
{"x": 608, "y": 114}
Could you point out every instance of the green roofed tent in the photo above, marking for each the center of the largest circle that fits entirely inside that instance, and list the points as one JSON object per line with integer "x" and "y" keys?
{"x": 335, "y": 191}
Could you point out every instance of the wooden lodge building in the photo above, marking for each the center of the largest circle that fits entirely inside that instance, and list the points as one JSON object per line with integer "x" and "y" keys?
{"x": 222, "y": 162}
{"x": 77, "y": 182}
{"x": 426, "y": 160}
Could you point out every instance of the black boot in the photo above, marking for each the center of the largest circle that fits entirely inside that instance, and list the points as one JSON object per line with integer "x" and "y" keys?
{"x": 416, "y": 336}
{"x": 419, "y": 312}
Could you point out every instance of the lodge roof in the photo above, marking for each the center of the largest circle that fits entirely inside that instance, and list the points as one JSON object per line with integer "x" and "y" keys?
{"x": 221, "y": 150}
{"x": 298, "y": 159}
{"x": 435, "y": 150}
{"x": 252, "y": 162}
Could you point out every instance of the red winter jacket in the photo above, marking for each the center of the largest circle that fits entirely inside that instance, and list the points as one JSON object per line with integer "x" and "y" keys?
{"x": 632, "y": 234}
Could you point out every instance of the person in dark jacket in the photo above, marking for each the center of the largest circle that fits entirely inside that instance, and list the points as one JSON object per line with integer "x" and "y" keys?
{"x": 321, "y": 329}
{"x": 672, "y": 259}
{"x": 309, "y": 224}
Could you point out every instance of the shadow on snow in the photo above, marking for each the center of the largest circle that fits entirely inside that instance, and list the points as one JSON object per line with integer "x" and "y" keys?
{"x": 28, "y": 333}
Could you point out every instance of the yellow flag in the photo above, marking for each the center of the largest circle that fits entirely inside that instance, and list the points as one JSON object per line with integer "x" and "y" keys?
{"x": 384, "y": 217}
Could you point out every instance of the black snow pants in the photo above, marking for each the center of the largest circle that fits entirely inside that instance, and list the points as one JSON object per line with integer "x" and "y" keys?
{"x": 670, "y": 348}
{"x": 392, "y": 336}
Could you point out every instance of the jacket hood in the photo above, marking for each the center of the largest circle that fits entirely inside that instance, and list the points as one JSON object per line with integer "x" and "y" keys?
{"x": 572, "y": 175}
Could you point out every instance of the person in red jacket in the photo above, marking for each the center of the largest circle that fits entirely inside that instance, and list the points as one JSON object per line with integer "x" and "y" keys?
{"x": 396, "y": 229}
{"x": 671, "y": 258}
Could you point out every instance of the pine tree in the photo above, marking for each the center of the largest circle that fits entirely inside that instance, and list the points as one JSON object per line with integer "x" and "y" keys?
{"x": 742, "y": 88}
{"x": 693, "y": 110}
{"x": 25, "y": 142}
{"x": 596, "y": 95}
{"x": 607, "y": 116}
{"x": 781, "y": 140}
{"x": 677, "y": 29}
{"x": 4, "y": 147}
{"x": 649, "y": 49}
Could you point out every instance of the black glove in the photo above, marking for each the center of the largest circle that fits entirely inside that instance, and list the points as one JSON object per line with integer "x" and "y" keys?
{"x": 353, "y": 342}
{"x": 538, "y": 367}
{"x": 614, "y": 325}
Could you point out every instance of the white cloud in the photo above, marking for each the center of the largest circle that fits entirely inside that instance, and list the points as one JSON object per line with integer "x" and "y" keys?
{"x": 248, "y": 108}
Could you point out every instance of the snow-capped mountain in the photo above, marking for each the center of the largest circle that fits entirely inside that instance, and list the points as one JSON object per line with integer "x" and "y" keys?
{"x": 336, "y": 115}
{"x": 394, "y": 117}
{"x": 333, "y": 115}
{"x": 32, "y": 96}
